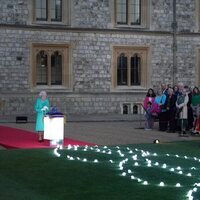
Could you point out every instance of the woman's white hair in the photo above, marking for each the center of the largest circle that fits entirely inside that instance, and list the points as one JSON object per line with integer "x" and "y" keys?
{"x": 42, "y": 93}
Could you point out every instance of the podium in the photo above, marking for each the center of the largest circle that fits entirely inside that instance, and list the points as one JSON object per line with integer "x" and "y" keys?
{"x": 54, "y": 129}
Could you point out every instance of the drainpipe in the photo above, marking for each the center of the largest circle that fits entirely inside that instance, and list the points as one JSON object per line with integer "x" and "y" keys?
{"x": 174, "y": 45}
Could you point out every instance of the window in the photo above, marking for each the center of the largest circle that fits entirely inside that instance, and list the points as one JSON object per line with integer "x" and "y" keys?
{"x": 51, "y": 65}
{"x": 51, "y": 11}
{"x": 131, "y": 13}
{"x": 130, "y": 67}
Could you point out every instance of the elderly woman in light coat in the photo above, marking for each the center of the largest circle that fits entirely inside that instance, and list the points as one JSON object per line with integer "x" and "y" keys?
{"x": 181, "y": 105}
{"x": 41, "y": 107}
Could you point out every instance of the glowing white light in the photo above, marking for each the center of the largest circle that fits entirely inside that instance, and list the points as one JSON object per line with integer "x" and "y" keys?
{"x": 121, "y": 168}
{"x": 136, "y": 164}
{"x": 96, "y": 146}
{"x": 98, "y": 150}
{"x": 195, "y": 158}
{"x": 178, "y": 185}
{"x": 189, "y": 195}
{"x": 145, "y": 183}
{"x": 91, "y": 148}
{"x": 129, "y": 171}
{"x": 197, "y": 184}
{"x": 103, "y": 151}
{"x": 193, "y": 168}
{"x": 155, "y": 154}
{"x": 71, "y": 158}
{"x": 105, "y": 147}
{"x": 178, "y": 168}
{"x": 86, "y": 146}
{"x": 167, "y": 155}
{"x": 189, "y": 174}
{"x": 128, "y": 148}
{"x": 77, "y": 158}
{"x": 177, "y": 156}
{"x": 124, "y": 174}
{"x": 132, "y": 177}
{"x": 172, "y": 169}
{"x": 56, "y": 152}
{"x": 109, "y": 152}
{"x": 149, "y": 165}
{"x": 185, "y": 157}
{"x": 117, "y": 147}
{"x": 84, "y": 160}
{"x": 136, "y": 150}
{"x": 180, "y": 172}
{"x": 161, "y": 184}
{"x": 110, "y": 161}
{"x": 130, "y": 152}
{"x": 139, "y": 180}
{"x": 156, "y": 164}
{"x": 96, "y": 161}
{"x": 194, "y": 189}
{"x": 122, "y": 155}
{"x": 126, "y": 159}
{"x": 134, "y": 157}
{"x": 164, "y": 166}
{"x": 69, "y": 146}
{"x": 84, "y": 149}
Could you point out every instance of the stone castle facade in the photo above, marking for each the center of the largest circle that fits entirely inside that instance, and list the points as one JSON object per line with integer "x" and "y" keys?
{"x": 108, "y": 58}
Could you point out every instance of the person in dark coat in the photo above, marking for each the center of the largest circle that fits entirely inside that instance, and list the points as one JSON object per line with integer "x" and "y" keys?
{"x": 171, "y": 110}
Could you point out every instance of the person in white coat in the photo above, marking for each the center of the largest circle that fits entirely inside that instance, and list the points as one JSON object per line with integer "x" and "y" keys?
{"x": 182, "y": 111}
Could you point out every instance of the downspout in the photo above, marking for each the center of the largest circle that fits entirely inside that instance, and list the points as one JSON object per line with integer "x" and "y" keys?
{"x": 174, "y": 45}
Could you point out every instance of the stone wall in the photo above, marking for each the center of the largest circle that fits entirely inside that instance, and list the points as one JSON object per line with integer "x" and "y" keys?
{"x": 91, "y": 55}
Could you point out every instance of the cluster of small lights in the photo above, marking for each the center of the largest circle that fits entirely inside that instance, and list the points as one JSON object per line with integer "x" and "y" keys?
{"x": 138, "y": 158}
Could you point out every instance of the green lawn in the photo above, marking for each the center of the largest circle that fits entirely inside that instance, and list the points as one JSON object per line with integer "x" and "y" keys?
{"x": 41, "y": 175}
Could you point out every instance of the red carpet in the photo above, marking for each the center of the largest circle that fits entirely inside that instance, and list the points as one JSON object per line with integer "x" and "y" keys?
{"x": 13, "y": 138}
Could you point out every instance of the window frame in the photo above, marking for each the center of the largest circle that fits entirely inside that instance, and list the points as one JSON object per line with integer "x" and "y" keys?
{"x": 144, "y": 53}
{"x": 65, "y": 14}
{"x": 66, "y": 66}
{"x": 144, "y": 12}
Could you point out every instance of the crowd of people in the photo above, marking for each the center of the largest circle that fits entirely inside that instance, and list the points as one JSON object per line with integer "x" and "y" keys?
{"x": 177, "y": 109}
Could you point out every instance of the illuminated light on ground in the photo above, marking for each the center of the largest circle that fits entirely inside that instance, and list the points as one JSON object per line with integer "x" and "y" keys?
{"x": 98, "y": 150}
{"x": 156, "y": 164}
{"x": 139, "y": 180}
{"x": 96, "y": 161}
{"x": 111, "y": 161}
{"x": 84, "y": 160}
{"x": 155, "y": 154}
{"x": 136, "y": 150}
{"x": 189, "y": 174}
{"x": 71, "y": 158}
{"x": 124, "y": 174}
{"x": 103, "y": 151}
{"x": 178, "y": 168}
{"x": 149, "y": 165}
{"x": 145, "y": 183}
{"x": 193, "y": 168}
{"x": 134, "y": 157}
{"x": 164, "y": 166}
{"x": 56, "y": 152}
{"x": 77, "y": 158}
{"x": 197, "y": 184}
{"x": 180, "y": 172}
{"x": 121, "y": 168}
{"x": 69, "y": 147}
{"x": 130, "y": 152}
{"x": 133, "y": 177}
{"x": 109, "y": 152}
{"x": 189, "y": 195}
{"x": 195, "y": 189}
{"x": 195, "y": 158}
{"x": 84, "y": 149}
{"x": 178, "y": 185}
{"x": 177, "y": 156}
{"x": 172, "y": 169}
{"x": 117, "y": 147}
{"x": 161, "y": 184}
{"x": 128, "y": 148}
{"x": 185, "y": 157}
{"x": 105, "y": 147}
{"x": 129, "y": 171}
{"x": 136, "y": 164}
